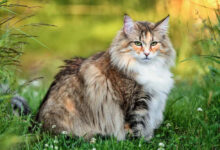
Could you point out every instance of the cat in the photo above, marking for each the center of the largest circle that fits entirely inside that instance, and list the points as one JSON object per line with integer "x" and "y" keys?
{"x": 119, "y": 91}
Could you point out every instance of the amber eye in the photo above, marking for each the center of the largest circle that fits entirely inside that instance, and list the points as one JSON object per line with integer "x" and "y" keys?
{"x": 137, "y": 43}
{"x": 154, "y": 43}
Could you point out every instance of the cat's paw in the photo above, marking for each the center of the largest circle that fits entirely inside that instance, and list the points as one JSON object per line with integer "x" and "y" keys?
{"x": 120, "y": 137}
{"x": 148, "y": 137}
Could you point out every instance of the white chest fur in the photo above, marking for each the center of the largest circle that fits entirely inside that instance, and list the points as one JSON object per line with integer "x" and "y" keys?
{"x": 156, "y": 80}
{"x": 154, "y": 77}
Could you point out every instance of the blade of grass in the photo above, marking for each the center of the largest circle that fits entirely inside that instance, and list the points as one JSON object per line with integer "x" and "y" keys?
{"x": 33, "y": 38}
{"x": 8, "y": 10}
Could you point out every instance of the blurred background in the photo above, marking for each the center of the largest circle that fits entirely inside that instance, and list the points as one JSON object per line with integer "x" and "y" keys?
{"x": 61, "y": 29}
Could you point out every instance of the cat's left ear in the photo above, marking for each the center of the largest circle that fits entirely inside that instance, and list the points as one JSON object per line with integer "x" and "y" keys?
{"x": 128, "y": 24}
{"x": 162, "y": 25}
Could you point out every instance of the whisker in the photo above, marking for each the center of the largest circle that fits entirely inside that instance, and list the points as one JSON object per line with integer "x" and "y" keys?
{"x": 163, "y": 51}
{"x": 125, "y": 51}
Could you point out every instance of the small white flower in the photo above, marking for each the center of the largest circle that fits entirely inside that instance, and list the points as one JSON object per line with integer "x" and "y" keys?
{"x": 55, "y": 141}
{"x": 36, "y": 83}
{"x": 199, "y": 109}
{"x": 161, "y": 144}
{"x": 161, "y": 148}
{"x": 93, "y": 140}
{"x": 93, "y": 148}
{"x": 64, "y": 132}
{"x": 139, "y": 145}
{"x": 168, "y": 125}
{"x": 56, "y": 147}
{"x": 46, "y": 145}
{"x": 53, "y": 126}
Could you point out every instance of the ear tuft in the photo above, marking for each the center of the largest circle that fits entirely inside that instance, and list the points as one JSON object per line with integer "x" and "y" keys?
{"x": 162, "y": 25}
{"x": 128, "y": 24}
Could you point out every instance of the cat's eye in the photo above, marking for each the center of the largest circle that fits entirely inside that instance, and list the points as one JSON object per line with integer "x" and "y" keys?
{"x": 154, "y": 43}
{"x": 137, "y": 43}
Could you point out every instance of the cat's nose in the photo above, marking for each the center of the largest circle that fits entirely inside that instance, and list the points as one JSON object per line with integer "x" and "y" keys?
{"x": 146, "y": 54}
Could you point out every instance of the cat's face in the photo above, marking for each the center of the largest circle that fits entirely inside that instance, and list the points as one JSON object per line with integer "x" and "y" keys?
{"x": 145, "y": 40}
{"x": 140, "y": 42}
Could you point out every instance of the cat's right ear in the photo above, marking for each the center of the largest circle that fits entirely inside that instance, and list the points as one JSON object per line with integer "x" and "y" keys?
{"x": 162, "y": 25}
{"x": 128, "y": 24}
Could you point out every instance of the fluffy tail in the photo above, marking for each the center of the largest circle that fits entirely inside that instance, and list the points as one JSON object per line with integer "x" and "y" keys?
{"x": 20, "y": 106}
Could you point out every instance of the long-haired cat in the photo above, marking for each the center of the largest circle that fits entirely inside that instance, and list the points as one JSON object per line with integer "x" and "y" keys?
{"x": 121, "y": 90}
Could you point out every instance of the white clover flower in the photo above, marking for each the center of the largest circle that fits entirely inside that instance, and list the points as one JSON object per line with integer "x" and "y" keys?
{"x": 93, "y": 140}
{"x": 53, "y": 126}
{"x": 55, "y": 141}
{"x": 64, "y": 132}
{"x": 139, "y": 145}
{"x": 161, "y": 144}
{"x": 56, "y": 147}
{"x": 93, "y": 148}
{"x": 168, "y": 125}
{"x": 46, "y": 145}
{"x": 199, "y": 109}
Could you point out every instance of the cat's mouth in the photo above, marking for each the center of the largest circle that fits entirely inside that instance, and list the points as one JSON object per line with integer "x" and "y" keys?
{"x": 147, "y": 59}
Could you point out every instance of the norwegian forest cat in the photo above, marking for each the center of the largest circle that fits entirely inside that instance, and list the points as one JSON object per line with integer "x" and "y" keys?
{"x": 119, "y": 91}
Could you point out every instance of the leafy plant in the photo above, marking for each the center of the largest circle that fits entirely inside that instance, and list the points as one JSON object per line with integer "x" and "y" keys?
{"x": 13, "y": 129}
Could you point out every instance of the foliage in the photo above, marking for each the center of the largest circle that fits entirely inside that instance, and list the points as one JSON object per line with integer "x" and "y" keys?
{"x": 13, "y": 129}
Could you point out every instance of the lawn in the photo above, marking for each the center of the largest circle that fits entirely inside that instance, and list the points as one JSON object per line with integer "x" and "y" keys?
{"x": 192, "y": 115}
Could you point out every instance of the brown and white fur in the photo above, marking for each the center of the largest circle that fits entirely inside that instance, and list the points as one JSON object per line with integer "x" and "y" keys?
{"x": 121, "y": 90}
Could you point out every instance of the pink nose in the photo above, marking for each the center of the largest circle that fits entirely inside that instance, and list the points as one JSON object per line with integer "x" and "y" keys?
{"x": 146, "y": 54}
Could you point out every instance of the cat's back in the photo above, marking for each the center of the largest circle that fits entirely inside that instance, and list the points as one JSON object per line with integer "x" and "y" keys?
{"x": 66, "y": 94}
{"x": 66, "y": 83}
{"x": 69, "y": 81}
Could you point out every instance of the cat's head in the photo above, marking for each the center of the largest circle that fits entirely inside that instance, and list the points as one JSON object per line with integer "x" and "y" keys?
{"x": 142, "y": 42}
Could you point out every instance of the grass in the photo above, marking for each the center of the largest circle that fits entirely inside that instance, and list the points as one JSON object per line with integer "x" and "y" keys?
{"x": 192, "y": 115}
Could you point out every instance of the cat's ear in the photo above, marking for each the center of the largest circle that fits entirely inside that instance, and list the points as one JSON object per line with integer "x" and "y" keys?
{"x": 162, "y": 25}
{"x": 128, "y": 24}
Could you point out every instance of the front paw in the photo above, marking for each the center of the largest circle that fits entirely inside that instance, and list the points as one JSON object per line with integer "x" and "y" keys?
{"x": 159, "y": 121}
{"x": 149, "y": 136}
{"x": 132, "y": 133}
